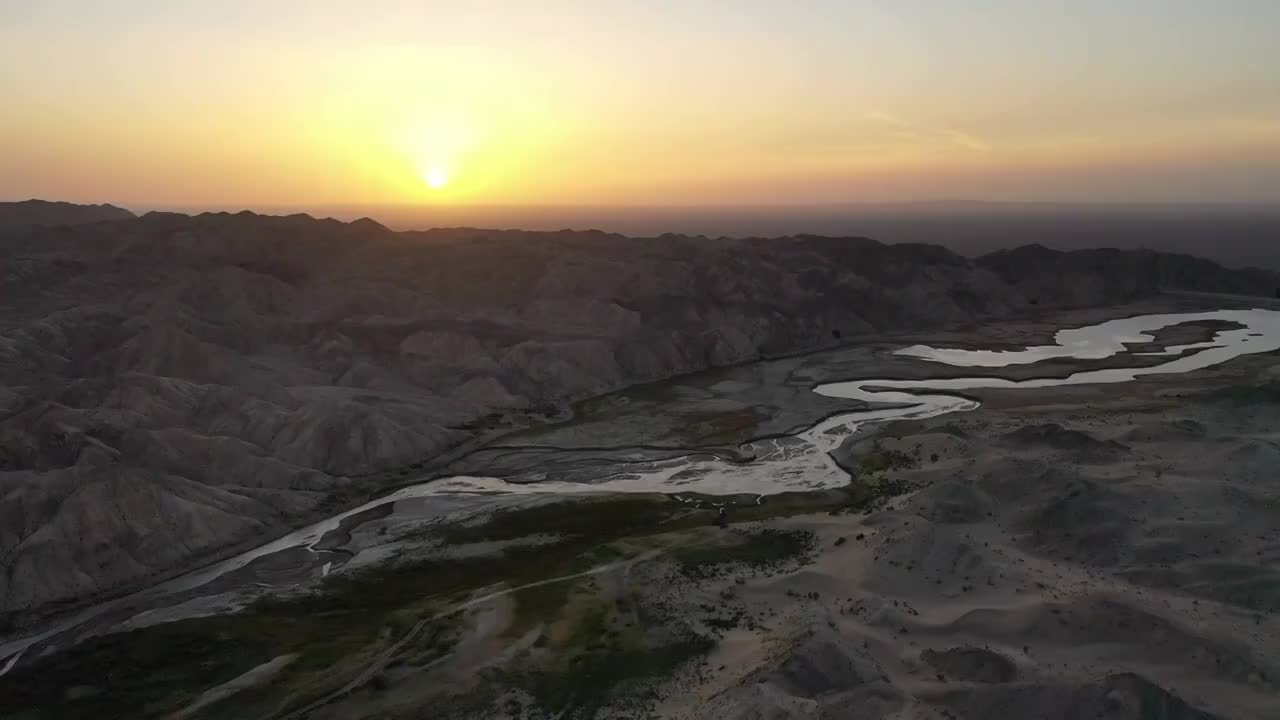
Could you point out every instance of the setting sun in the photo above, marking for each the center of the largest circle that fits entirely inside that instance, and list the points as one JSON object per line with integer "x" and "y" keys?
{"x": 436, "y": 177}
{"x": 566, "y": 104}
{"x": 346, "y": 250}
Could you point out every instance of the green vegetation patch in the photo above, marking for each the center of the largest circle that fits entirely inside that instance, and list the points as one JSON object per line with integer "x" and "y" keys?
{"x": 719, "y": 428}
{"x": 761, "y": 550}
{"x": 1263, "y": 394}
{"x": 601, "y": 661}
{"x": 129, "y": 674}
{"x": 335, "y": 629}
{"x": 881, "y": 460}
{"x": 572, "y": 520}
{"x": 541, "y": 604}
{"x": 338, "y": 628}
{"x": 599, "y": 405}
{"x": 614, "y": 673}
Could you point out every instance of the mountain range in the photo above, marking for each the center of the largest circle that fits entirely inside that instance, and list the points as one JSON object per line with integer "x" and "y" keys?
{"x": 174, "y": 386}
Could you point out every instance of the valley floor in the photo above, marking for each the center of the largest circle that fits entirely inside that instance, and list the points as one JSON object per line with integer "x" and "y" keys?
{"x": 1089, "y": 551}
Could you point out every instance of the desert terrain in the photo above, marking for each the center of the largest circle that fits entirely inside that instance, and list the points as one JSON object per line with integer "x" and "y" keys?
{"x": 582, "y": 360}
{"x": 1059, "y": 552}
{"x": 175, "y": 389}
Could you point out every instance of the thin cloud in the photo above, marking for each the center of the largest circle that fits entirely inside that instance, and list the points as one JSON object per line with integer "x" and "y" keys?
{"x": 925, "y": 134}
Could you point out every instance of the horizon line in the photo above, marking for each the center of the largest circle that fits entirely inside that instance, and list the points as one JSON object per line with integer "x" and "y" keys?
{"x": 199, "y": 207}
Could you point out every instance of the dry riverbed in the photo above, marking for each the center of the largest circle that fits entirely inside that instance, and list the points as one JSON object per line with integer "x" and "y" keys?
{"x": 1108, "y": 551}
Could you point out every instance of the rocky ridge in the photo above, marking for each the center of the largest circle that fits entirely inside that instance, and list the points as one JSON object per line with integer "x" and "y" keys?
{"x": 171, "y": 386}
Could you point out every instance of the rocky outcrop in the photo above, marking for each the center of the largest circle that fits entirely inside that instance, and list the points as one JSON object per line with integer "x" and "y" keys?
{"x": 173, "y": 385}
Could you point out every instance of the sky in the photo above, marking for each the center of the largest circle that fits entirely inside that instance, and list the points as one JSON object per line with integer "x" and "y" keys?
{"x": 151, "y": 103}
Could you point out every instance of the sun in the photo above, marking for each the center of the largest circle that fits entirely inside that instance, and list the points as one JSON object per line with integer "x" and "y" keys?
{"x": 436, "y": 177}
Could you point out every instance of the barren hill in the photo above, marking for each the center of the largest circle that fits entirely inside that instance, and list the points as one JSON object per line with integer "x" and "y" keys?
{"x": 171, "y": 386}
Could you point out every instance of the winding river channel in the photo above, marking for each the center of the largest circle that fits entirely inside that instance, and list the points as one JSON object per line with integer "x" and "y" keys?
{"x": 803, "y": 461}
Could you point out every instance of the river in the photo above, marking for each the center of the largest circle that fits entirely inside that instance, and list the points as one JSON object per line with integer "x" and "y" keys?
{"x": 803, "y": 461}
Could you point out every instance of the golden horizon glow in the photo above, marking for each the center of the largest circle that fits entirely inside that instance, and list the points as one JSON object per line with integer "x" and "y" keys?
{"x": 575, "y": 102}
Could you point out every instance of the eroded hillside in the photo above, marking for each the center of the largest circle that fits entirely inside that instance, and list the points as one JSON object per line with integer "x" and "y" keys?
{"x": 173, "y": 386}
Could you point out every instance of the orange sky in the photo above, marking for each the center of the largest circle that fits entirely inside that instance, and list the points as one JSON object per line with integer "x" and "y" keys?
{"x": 234, "y": 104}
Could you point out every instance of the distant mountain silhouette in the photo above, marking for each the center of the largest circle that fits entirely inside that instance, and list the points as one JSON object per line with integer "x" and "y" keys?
{"x": 33, "y": 213}
{"x": 1234, "y": 235}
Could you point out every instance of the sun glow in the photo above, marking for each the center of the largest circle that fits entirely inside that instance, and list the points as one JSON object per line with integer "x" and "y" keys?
{"x": 436, "y": 177}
